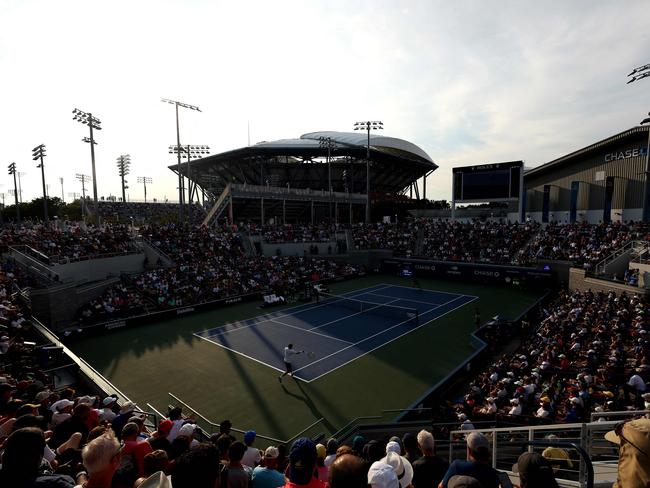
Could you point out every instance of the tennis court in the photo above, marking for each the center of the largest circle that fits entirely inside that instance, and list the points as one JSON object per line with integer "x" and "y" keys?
{"x": 337, "y": 330}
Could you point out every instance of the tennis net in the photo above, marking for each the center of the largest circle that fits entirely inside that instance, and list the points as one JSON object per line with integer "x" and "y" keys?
{"x": 404, "y": 314}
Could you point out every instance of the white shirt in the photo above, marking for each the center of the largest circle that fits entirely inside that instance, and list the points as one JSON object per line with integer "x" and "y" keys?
{"x": 173, "y": 432}
{"x": 329, "y": 460}
{"x": 252, "y": 457}
{"x": 288, "y": 353}
{"x": 542, "y": 413}
{"x": 515, "y": 410}
{"x": 106, "y": 415}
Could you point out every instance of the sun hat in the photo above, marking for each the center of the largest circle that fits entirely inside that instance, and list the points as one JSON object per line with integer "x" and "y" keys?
{"x": 401, "y": 466}
{"x": 381, "y": 475}
{"x": 271, "y": 452}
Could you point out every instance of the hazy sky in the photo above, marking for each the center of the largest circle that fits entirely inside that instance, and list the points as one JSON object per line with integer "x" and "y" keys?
{"x": 469, "y": 82}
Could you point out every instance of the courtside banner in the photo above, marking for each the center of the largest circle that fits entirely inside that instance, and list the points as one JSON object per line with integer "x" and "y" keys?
{"x": 476, "y": 273}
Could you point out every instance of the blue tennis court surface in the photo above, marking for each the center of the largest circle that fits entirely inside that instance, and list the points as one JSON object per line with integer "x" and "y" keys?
{"x": 334, "y": 331}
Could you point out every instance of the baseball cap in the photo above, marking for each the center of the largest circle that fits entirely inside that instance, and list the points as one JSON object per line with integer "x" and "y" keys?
{"x": 187, "y": 430}
{"x": 249, "y": 436}
{"x": 128, "y": 407}
{"x": 108, "y": 401}
{"x": 393, "y": 446}
{"x": 271, "y": 453}
{"x": 381, "y": 475}
{"x": 321, "y": 452}
{"x": 165, "y": 426}
{"x": 302, "y": 459}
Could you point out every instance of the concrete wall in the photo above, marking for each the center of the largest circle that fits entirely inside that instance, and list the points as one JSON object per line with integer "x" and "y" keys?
{"x": 99, "y": 269}
{"x": 578, "y": 281}
{"x": 56, "y": 306}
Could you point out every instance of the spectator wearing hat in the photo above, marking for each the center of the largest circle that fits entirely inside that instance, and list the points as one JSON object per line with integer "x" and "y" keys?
{"x": 188, "y": 430}
{"x": 252, "y": 456}
{"x": 135, "y": 447}
{"x": 266, "y": 475}
{"x": 331, "y": 446}
{"x": 477, "y": 464}
{"x": 101, "y": 458}
{"x": 401, "y": 466}
{"x": 302, "y": 463}
{"x": 347, "y": 471}
{"x": 633, "y": 438}
{"x": 158, "y": 439}
{"x": 321, "y": 469}
{"x": 429, "y": 469}
{"x": 382, "y": 475}
{"x": 62, "y": 410}
{"x": 21, "y": 462}
{"x": 462, "y": 481}
{"x": 235, "y": 474}
{"x": 558, "y": 457}
{"x": 534, "y": 471}
{"x": 106, "y": 414}
{"x": 78, "y": 422}
{"x": 120, "y": 420}
{"x": 357, "y": 445}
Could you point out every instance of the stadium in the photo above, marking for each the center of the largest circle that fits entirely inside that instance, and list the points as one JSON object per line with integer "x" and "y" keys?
{"x": 531, "y": 329}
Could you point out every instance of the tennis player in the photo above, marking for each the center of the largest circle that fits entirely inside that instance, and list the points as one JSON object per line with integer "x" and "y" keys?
{"x": 289, "y": 352}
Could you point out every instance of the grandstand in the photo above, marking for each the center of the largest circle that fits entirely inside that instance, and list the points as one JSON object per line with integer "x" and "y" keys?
{"x": 533, "y": 333}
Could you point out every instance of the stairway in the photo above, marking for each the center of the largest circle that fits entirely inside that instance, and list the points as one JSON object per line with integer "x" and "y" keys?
{"x": 219, "y": 206}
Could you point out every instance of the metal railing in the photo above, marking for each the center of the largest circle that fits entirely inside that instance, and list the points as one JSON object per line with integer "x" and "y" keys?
{"x": 506, "y": 446}
{"x": 619, "y": 415}
{"x": 212, "y": 427}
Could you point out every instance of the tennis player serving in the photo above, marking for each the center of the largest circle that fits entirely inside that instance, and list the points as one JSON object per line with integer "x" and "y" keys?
{"x": 289, "y": 352}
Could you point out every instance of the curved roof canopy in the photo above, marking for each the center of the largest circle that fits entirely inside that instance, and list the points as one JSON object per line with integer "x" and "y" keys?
{"x": 396, "y": 163}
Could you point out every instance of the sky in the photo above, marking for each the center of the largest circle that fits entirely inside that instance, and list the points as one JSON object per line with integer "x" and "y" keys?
{"x": 469, "y": 82}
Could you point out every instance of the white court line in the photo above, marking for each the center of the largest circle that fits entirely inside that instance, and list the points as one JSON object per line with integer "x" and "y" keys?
{"x": 352, "y": 315}
{"x": 426, "y": 290}
{"x": 309, "y": 330}
{"x": 409, "y": 300}
{"x": 240, "y": 353}
{"x": 388, "y": 342}
{"x": 270, "y": 317}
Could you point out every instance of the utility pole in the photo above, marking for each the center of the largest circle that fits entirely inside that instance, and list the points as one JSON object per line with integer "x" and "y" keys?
{"x": 83, "y": 179}
{"x": 144, "y": 180}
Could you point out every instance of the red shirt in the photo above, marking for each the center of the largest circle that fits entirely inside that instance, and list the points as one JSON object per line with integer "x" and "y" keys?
{"x": 139, "y": 449}
{"x": 314, "y": 483}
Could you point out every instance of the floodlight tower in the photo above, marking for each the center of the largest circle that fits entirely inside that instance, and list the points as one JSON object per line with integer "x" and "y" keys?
{"x": 123, "y": 165}
{"x": 190, "y": 152}
{"x": 368, "y": 126}
{"x": 178, "y": 144}
{"x": 12, "y": 171}
{"x": 87, "y": 118}
{"x": 38, "y": 153}
{"x": 62, "y": 193}
{"x": 329, "y": 144}
{"x": 144, "y": 180}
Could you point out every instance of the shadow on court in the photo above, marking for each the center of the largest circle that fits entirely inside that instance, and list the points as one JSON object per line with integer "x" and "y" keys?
{"x": 304, "y": 397}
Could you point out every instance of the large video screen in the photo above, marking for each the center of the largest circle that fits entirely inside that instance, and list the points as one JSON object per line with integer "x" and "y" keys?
{"x": 486, "y": 182}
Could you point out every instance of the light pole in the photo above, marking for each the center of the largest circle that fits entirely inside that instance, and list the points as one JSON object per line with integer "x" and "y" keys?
{"x": 87, "y": 118}
{"x": 123, "y": 164}
{"x": 12, "y": 171}
{"x": 38, "y": 153}
{"x": 62, "y": 193}
{"x": 188, "y": 152}
{"x": 646, "y": 186}
{"x": 20, "y": 186}
{"x": 178, "y": 144}
{"x": 144, "y": 180}
{"x": 328, "y": 143}
{"x": 83, "y": 179}
{"x": 639, "y": 73}
{"x": 368, "y": 126}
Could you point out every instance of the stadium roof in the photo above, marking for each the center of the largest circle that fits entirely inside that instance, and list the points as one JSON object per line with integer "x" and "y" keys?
{"x": 396, "y": 163}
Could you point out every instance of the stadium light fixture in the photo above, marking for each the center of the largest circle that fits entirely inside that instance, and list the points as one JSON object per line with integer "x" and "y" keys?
{"x": 178, "y": 144}
{"x": 329, "y": 144}
{"x": 368, "y": 126}
{"x": 189, "y": 152}
{"x": 646, "y": 186}
{"x": 12, "y": 171}
{"x": 38, "y": 153}
{"x": 639, "y": 73}
{"x": 62, "y": 192}
{"x": 144, "y": 180}
{"x": 123, "y": 165}
{"x": 93, "y": 123}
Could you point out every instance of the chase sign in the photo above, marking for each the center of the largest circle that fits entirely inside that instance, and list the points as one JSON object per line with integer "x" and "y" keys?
{"x": 628, "y": 153}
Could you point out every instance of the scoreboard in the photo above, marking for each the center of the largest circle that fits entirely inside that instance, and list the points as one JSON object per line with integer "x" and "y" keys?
{"x": 488, "y": 182}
